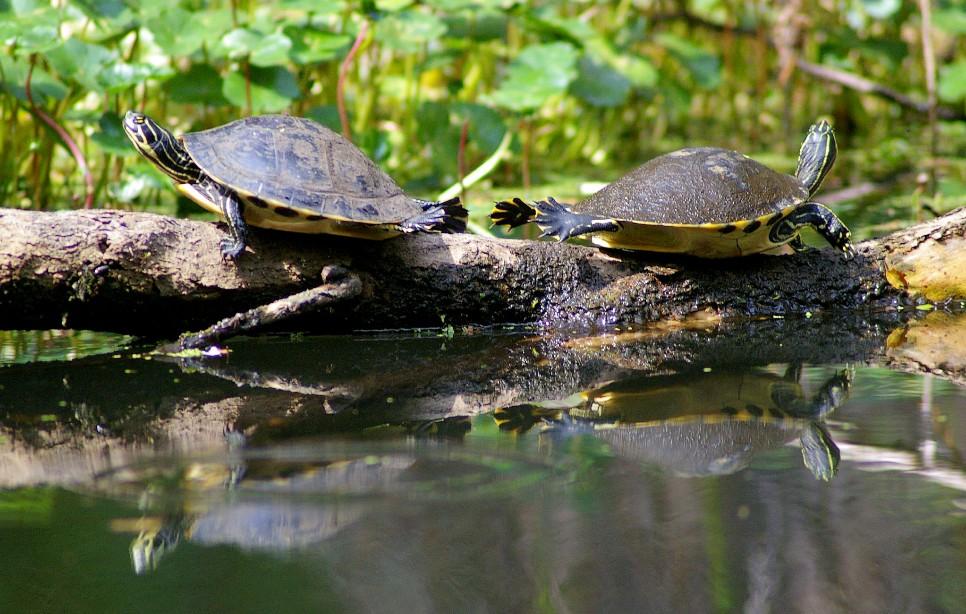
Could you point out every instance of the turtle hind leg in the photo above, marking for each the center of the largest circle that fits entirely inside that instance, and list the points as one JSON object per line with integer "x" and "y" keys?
{"x": 448, "y": 216}
{"x": 512, "y": 213}
{"x": 820, "y": 218}
{"x": 556, "y": 220}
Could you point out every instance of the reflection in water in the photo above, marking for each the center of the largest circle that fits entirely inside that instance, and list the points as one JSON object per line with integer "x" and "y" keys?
{"x": 705, "y": 423}
{"x": 370, "y": 474}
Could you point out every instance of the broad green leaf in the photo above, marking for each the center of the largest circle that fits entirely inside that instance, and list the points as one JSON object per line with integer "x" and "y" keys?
{"x": 408, "y": 31}
{"x": 599, "y": 84}
{"x": 101, "y": 8}
{"x": 201, "y": 84}
{"x": 391, "y": 6}
{"x": 119, "y": 76}
{"x": 42, "y": 84}
{"x": 316, "y": 7}
{"x": 537, "y": 74}
{"x": 486, "y": 127}
{"x": 704, "y": 67}
{"x": 178, "y": 32}
{"x": 881, "y": 9}
{"x": 81, "y": 62}
{"x": 273, "y": 89}
{"x": 261, "y": 49}
{"x": 311, "y": 46}
{"x": 952, "y": 82}
{"x": 35, "y": 32}
{"x": 110, "y": 136}
{"x": 456, "y": 5}
{"x": 468, "y": 26}
{"x": 950, "y": 20}
{"x": 327, "y": 115}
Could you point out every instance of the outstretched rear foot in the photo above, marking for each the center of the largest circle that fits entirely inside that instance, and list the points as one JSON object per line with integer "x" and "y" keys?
{"x": 553, "y": 218}
{"x": 449, "y": 216}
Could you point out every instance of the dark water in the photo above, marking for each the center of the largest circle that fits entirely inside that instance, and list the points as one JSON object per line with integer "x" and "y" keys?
{"x": 770, "y": 466}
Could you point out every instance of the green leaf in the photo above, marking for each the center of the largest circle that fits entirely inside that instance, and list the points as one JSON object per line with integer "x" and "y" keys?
{"x": 391, "y": 6}
{"x": 952, "y": 82}
{"x": 200, "y": 84}
{"x": 881, "y": 9}
{"x": 311, "y": 46}
{"x": 408, "y": 31}
{"x": 42, "y": 84}
{"x": 119, "y": 76}
{"x": 178, "y": 32}
{"x": 316, "y": 7}
{"x": 327, "y": 115}
{"x": 537, "y": 74}
{"x": 704, "y": 67}
{"x": 486, "y": 127}
{"x": 101, "y": 8}
{"x": 950, "y": 20}
{"x": 110, "y": 136}
{"x": 260, "y": 49}
{"x": 81, "y": 62}
{"x": 273, "y": 89}
{"x": 35, "y": 32}
{"x": 599, "y": 84}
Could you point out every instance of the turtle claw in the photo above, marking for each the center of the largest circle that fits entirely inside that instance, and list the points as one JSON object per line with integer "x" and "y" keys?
{"x": 231, "y": 249}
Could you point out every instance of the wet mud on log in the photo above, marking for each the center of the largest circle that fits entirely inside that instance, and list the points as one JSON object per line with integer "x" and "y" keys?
{"x": 158, "y": 276}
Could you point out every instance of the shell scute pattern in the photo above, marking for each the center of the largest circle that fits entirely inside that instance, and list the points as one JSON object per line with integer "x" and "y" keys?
{"x": 292, "y": 163}
{"x": 697, "y": 186}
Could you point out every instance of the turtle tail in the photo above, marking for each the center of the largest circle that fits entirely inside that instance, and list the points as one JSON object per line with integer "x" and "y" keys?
{"x": 448, "y": 216}
{"x": 512, "y": 213}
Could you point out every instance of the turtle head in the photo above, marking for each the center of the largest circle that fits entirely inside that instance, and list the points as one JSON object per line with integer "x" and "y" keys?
{"x": 816, "y": 157}
{"x": 160, "y": 147}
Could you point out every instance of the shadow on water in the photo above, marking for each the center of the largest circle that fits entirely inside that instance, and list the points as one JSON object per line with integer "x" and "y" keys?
{"x": 741, "y": 466}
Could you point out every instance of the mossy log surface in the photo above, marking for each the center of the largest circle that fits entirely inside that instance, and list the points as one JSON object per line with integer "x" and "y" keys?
{"x": 153, "y": 275}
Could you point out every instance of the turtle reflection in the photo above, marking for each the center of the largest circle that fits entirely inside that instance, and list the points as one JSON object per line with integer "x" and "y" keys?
{"x": 262, "y": 504}
{"x": 698, "y": 424}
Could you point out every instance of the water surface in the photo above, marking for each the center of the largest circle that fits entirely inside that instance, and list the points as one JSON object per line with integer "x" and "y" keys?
{"x": 798, "y": 466}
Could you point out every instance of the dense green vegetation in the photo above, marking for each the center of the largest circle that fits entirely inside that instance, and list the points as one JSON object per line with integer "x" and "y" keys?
{"x": 587, "y": 90}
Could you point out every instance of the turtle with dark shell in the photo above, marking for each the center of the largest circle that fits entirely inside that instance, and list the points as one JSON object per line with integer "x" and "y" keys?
{"x": 702, "y": 201}
{"x": 287, "y": 173}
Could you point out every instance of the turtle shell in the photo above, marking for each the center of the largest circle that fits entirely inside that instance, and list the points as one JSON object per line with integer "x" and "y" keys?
{"x": 298, "y": 167}
{"x": 697, "y": 186}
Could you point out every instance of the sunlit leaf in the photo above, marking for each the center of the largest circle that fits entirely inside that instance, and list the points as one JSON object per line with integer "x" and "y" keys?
{"x": 392, "y": 5}
{"x": 35, "y": 32}
{"x": 317, "y": 7}
{"x": 261, "y": 49}
{"x": 178, "y": 32}
{"x": 272, "y": 89}
{"x": 881, "y": 9}
{"x": 599, "y": 84}
{"x": 952, "y": 20}
{"x": 200, "y": 84}
{"x": 81, "y": 62}
{"x": 409, "y": 30}
{"x": 537, "y": 74}
{"x": 311, "y": 46}
{"x": 952, "y": 82}
{"x": 110, "y": 136}
{"x": 119, "y": 76}
{"x": 705, "y": 68}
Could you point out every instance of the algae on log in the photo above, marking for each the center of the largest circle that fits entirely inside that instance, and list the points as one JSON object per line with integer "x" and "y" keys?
{"x": 154, "y": 275}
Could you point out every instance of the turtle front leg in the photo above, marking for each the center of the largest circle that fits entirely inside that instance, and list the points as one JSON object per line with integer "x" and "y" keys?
{"x": 820, "y": 218}
{"x": 232, "y": 208}
{"x": 556, "y": 220}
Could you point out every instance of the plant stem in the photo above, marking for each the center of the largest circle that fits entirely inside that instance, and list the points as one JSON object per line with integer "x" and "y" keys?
{"x": 343, "y": 72}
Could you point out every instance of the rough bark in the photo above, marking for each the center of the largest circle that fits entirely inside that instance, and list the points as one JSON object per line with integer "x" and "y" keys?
{"x": 153, "y": 275}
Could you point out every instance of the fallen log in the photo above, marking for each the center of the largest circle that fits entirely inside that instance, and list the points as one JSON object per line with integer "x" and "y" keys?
{"x": 157, "y": 276}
